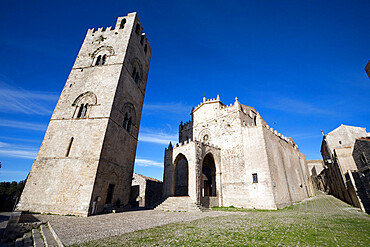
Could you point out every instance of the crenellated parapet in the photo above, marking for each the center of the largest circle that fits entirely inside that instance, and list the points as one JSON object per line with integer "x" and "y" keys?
{"x": 282, "y": 137}
{"x": 185, "y": 126}
{"x": 121, "y": 24}
{"x": 184, "y": 143}
{"x": 208, "y": 101}
{"x": 185, "y": 131}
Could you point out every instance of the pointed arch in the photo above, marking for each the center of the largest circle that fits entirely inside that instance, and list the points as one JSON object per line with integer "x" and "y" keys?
{"x": 83, "y": 103}
{"x": 136, "y": 70}
{"x": 87, "y": 97}
{"x": 181, "y": 175}
{"x": 208, "y": 175}
{"x": 101, "y": 55}
{"x": 129, "y": 116}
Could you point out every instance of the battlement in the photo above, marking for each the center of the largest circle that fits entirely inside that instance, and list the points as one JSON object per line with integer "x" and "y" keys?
{"x": 121, "y": 25}
{"x": 232, "y": 107}
{"x": 282, "y": 137}
{"x": 208, "y": 101}
{"x": 192, "y": 141}
{"x": 186, "y": 125}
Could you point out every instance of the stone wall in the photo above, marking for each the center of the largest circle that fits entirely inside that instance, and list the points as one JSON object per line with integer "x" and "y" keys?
{"x": 255, "y": 167}
{"x": 361, "y": 156}
{"x": 342, "y": 178}
{"x": 149, "y": 190}
{"x": 315, "y": 166}
{"x": 289, "y": 172}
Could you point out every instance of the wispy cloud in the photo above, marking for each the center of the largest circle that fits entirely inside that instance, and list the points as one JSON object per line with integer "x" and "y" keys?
{"x": 21, "y": 140}
{"x": 169, "y": 107}
{"x": 156, "y": 136}
{"x": 10, "y": 150}
{"x": 14, "y": 99}
{"x": 296, "y": 106}
{"x": 22, "y": 125}
{"x": 146, "y": 163}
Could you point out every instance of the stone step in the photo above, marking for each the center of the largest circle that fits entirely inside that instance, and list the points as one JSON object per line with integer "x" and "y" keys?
{"x": 18, "y": 242}
{"x": 49, "y": 239}
{"x": 176, "y": 204}
{"x": 27, "y": 241}
{"x": 37, "y": 240}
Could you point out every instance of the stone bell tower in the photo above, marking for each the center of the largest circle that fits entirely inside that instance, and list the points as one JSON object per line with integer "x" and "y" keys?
{"x": 86, "y": 159}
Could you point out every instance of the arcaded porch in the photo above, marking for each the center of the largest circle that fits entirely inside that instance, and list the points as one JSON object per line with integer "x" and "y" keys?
{"x": 194, "y": 169}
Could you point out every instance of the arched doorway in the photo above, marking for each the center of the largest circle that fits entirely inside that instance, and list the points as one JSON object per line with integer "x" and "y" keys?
{"x": 208, "y": 176}
{"x": 181, "y": 176}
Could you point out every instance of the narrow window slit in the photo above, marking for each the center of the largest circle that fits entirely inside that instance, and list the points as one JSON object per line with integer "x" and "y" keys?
{"x": 98, "y": 60}
{"x": 255, "y": 178}
{"x": 69, "y": 147}
{"x": 123, "y": 22}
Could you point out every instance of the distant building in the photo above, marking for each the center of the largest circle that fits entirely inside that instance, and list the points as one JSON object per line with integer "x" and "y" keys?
{"x": 228, "y": 156}
{"x": 342, "y": 175}
{"x": 315, "y": 166}
{"x": 145, "y": 191}
{"x": 361, "y": 155}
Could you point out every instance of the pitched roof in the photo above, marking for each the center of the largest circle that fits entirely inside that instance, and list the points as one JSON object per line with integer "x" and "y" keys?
{"x": 148, "y": 178}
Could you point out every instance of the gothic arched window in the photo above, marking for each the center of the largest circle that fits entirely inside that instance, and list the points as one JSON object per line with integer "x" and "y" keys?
{"x": 123, "y": 22}
{"x": 101, "y": 60}
{"x": 83, "y": 103}
{"x": 129, "y": 116}
{"x": 102, "y": 55}
{"x": 98, "y": 60}
{"x": 137, "y": 30}
{"x": 136, "y": 73}
{"x": 80, "y": 109}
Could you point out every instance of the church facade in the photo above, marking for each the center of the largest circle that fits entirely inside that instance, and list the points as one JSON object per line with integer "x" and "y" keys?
{"x": 228, "y": 156}
{"x": 86, "y": 160}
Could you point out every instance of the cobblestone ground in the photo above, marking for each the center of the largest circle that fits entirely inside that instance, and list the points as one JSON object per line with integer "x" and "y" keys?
{"x": 319, "y": 221}
{"x": 72, "y": 230}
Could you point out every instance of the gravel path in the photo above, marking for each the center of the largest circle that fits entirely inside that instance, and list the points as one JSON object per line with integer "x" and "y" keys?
{"x": 71, "y": 229}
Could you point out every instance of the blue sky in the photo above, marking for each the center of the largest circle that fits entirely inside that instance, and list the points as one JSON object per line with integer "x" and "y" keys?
{"x": 299, "y": 63}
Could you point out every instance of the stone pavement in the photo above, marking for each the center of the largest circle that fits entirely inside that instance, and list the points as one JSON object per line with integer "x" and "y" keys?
{"x": 71, "y": 229}
{"x": 317, "y": 221}
{"x": 4, "y": 217}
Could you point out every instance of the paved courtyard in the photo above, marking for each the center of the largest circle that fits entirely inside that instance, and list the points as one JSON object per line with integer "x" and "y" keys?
{"x": 71, "y": 229}
{"x": 319, "y": 221}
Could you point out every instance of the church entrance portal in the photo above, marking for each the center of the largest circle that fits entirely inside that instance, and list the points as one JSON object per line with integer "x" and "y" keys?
{"x": 208, "y": 176}
{"x": 181, "y": 176}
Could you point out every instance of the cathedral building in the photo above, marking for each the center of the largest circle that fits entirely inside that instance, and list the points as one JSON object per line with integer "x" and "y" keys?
{"x": 228, "y": 156}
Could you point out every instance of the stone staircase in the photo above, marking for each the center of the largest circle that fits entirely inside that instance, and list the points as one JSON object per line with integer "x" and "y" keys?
{"x": 180, "y": 204}
{"x": 40, "y": 237}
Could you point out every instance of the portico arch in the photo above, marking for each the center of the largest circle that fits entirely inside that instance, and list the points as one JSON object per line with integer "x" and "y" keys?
{"x": 181, "y": 183}
{"x": 208, "y": 176}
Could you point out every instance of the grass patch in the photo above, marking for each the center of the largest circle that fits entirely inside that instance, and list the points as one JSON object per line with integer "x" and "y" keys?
{"x": 322, "y": 221}
{"x": 235, "y": 209}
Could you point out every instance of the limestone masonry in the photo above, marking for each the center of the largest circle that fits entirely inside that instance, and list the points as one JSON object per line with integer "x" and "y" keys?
{"x": 85, "y": 163}
{"x": 346, "y": 174}
{"x": 229, "y": 156}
